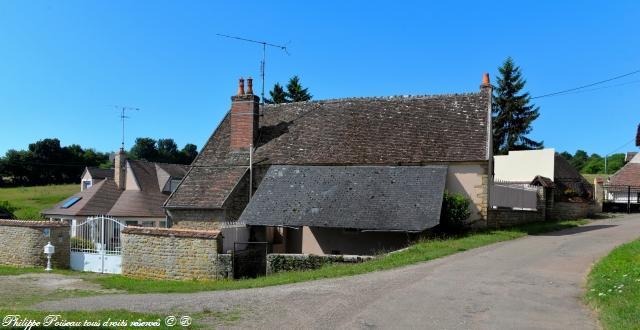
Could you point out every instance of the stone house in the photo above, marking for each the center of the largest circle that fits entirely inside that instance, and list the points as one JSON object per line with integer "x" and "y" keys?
{"x": 344, "y": 176}
{"x": 133, "y": 193}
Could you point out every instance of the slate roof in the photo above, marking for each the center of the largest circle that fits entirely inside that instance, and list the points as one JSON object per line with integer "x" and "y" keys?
{"x": 99, "y": 173}
{"x": 384, "y": 198}
{"x": 353, "y": 131}
{"x": 628, "y": 175}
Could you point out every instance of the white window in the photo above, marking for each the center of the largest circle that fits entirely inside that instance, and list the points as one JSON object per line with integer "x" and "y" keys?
{"x": 86, "y": 184}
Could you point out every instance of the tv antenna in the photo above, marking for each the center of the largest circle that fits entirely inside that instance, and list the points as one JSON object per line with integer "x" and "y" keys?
{"x": 264, "y": 54}
{"x": 123, "y": 116}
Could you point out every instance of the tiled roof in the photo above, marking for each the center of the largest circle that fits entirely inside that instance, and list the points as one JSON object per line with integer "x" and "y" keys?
{"x": 206, "y": 187}
{"x": 174, "y": 170}
{"x": 628, "y": 175}
{"x": 354, "y": 131}
{"x": 400, "y": 198}
{"x": 104, "y": 197}
{"x": 363, "y": 131}
{"x": 97, "y": 200}
{"x": 99, "y": 173}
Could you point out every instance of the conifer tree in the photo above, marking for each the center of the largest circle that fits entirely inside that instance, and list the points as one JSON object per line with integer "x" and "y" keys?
{"x": 295, "y": 91}
{"x": 278, "y": 95}
{"x": 512, "y": 112}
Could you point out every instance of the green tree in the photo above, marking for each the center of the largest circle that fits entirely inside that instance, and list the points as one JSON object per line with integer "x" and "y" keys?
{"x": 278, "y": 95}
{"x": 167, "y": 151}
{"x": 512, "y": 112}
{"x": 579, "y": 159}
{"x": 144, "y": 148}
{"x": 295, "y": 91}
{"x": 188, "y": 154}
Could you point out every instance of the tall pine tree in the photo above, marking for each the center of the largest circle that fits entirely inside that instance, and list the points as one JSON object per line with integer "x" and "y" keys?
{"x": 278, "y": 95}
{"x": 512, "y": 112}
{"x": 295, "y": 91}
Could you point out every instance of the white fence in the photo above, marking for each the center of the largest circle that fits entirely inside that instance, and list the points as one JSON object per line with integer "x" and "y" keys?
{"x": 513, "y": 195}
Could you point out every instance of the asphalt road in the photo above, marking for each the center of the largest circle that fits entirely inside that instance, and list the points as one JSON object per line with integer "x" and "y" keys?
{"x": 530, "y": 283}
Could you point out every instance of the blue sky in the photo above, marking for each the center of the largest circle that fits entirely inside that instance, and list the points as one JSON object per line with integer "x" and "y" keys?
{"x": 63, "y": 65}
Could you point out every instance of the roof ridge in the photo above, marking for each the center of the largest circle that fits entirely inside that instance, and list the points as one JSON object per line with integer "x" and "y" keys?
{"x": 389, "y": 97}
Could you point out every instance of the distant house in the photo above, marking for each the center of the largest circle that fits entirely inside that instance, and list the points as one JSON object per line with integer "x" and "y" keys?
{"x": 623, "y": 187}
{"x": 93, "y": 175}
{"x": 346, "y": 176}
{"x": 133, "y": 194}
{"x": 547, "y": 168}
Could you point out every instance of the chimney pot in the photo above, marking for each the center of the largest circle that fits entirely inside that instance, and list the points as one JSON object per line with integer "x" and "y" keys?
{"x": 486, "y": 83}
{"x": 250, "y": 86}
{"x": 485, "y": 79}
{"x": 241, "y": 87}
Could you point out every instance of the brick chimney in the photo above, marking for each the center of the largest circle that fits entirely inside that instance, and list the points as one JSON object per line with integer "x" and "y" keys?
{"x": 120, "y": 169}
{"x": 486, "y": 84}
{"x": 245, "y": 114}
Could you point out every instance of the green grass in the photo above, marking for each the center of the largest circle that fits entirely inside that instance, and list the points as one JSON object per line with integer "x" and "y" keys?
{"x": 591, "y": 177}
{"x": 613, "y": 288}
{"x": 29, "y": 201}
{"x": 422, "y": 251}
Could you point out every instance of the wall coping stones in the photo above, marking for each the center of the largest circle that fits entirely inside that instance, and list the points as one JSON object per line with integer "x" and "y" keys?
{"x": 33, "y": 223}
{"x": 172, "y": 232}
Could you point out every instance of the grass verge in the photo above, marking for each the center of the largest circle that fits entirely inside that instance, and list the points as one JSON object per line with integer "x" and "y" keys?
{"x": 422, "y": 251}
{"x": 29, "y": 201}
{"x": 613, "y": 287}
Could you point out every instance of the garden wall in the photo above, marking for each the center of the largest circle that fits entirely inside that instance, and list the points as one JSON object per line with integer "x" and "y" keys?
{"x": 22, "y": 243}
{"x": 167, "y": 253}
{"x": 568, "y": 210}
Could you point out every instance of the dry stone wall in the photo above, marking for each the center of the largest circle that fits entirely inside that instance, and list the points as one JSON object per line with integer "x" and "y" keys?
{"x": 178, "y": 254}
{"x": 22, "y": 243}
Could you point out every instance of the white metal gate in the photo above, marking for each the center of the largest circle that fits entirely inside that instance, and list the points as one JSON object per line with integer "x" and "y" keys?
{"x": 96, "y": 245}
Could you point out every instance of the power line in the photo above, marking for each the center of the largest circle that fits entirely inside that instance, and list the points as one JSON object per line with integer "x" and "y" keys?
{"x": 588, "y": 85}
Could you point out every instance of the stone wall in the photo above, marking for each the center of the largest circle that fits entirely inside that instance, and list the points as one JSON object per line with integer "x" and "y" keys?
{"x": 569, "y": 211}
{"x": 195, "y": 219}
{"x": 22, "y": 243}
{"x": 161, "y": 253}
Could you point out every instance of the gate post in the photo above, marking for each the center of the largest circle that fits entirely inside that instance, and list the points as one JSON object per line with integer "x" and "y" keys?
{"x": 102, "y": 244}
{"x": 628, "y": 199}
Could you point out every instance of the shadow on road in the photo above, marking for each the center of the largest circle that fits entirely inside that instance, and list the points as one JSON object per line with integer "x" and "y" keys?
{"x": 575, "y": 230}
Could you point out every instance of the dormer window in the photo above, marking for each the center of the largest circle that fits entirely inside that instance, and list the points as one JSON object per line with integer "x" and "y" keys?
{"x": 86, "y": 184}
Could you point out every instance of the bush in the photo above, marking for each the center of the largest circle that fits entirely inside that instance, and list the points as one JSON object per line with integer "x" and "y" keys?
{"x": 285, "y": 263}
{"x": 6, "y": 207}
{"x": 455, "y": 210}
{"x": 571, "y": 193}
{"x": 81, "y": 244}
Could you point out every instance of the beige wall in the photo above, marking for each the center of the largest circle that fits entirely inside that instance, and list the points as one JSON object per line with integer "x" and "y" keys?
{"x": 321, "y": 241}
{"x": 524, "y": 165}
{"x": 131, "y": 183}
{"x": 470, "y": 180}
